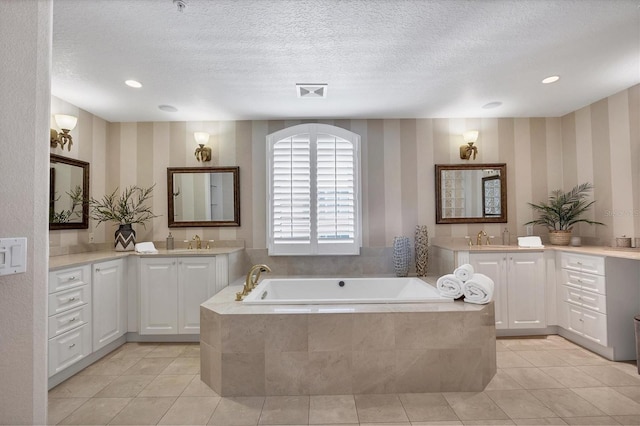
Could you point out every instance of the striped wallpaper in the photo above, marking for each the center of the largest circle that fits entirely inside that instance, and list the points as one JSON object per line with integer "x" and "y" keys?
{"x": 599, "y": 143}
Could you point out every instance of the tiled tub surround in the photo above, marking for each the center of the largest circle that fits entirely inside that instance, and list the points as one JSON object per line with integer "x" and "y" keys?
{"x": 346, "y": 349}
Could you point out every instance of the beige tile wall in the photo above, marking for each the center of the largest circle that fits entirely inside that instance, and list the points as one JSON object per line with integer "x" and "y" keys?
{"x": 599, "y": 143}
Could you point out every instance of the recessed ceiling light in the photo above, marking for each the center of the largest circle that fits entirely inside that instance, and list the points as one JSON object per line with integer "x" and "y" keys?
{"x": 490, "y": 105}
{"x": 312, "y": 90}
{"x": 551, "y": 79}
{"x": 167, "y": 108}
{"x": 133, "y": 83}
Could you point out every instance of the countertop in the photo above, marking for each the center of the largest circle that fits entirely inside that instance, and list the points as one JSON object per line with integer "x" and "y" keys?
{"x": 624, "y": 253}
{"x": 58, "y": 262}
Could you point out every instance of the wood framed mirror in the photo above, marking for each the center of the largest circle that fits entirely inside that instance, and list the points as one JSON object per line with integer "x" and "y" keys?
{"x": 68, "y": 193}
{"x": 471, "y": 193}
{"x": 203, "y": 196}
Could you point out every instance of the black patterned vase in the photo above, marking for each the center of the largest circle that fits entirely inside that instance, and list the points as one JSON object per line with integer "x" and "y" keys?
{"x": 125, "y": 238}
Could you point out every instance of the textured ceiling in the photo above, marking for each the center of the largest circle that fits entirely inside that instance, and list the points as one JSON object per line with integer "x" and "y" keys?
{"x": 241, "y": 59}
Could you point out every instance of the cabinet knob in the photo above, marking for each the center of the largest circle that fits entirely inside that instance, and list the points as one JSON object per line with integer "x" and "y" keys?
{"x": 97, "y": 269}
{"x": 72, "y": 345}
{"x": 71, "y": 299}
{"x": 581, "y": 320}
{"x": 71, "y": 279}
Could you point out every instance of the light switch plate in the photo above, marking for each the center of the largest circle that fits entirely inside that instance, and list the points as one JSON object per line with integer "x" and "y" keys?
{"x": 13, "y": 256}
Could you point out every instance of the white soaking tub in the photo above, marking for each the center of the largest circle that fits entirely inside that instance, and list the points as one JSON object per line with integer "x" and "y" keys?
{"x": 329, "y": 291}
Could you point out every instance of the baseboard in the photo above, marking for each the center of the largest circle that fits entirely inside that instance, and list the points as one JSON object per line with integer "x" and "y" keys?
{"x": 162, "y": 338}
{"x": 523, "y": 332}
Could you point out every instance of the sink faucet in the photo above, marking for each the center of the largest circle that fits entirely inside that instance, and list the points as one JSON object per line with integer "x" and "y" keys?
{"x": 252, "y": 279}
{"x": 198, "y": 241}
{"x": 479, "y": 237}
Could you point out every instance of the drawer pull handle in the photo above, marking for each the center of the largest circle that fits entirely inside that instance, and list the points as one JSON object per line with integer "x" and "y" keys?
{"x": 71, "y": 299}
{"x": 97, "y": 269}
{"x": 73, "y": 344}
{"x": 73, "y": 319}
{"x": 72, "y": 278}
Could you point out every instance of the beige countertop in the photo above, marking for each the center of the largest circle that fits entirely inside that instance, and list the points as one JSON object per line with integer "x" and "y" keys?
{"x": 624, "y": 253}
{"x": 63, "y": 261}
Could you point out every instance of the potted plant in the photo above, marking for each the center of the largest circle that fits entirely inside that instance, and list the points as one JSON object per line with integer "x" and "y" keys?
{"x": 125, "y": 210}
{"x": 563, "y": 210}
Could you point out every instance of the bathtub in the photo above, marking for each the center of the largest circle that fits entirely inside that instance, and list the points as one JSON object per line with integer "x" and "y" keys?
{"x": 329, "y": 291}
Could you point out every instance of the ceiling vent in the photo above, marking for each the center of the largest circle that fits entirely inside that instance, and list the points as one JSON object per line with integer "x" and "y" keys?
{"x": 317, "y": 91}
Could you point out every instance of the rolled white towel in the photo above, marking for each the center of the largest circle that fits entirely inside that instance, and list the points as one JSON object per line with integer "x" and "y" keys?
{"x": 450, "y": 286}
{"x": 463, "y": 272}
{"x": 478, "y": 289}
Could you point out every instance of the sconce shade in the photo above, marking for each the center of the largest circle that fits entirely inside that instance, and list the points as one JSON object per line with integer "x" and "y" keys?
{"x": 201, "y": 137}
{"x": 470, "y": 136}
{"x": 66, "y": 122}
{"x": 466, "y": 151}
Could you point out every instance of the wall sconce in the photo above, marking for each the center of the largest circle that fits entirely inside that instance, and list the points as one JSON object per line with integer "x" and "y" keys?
{"x": 203, "y": 153}
{"x": 66, "y": 123}
{"x": 470, "y": 137}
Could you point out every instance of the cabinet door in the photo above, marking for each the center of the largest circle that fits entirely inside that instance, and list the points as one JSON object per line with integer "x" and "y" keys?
{"x": 574, "y": 319}
{"x": 158, "y": 296}
{"x": 594, "y": 326}
{"x": 69, "y": 348}
{"x": 525, "y": 278}
{"x": 493, "y": 266}
{"x": 196, "y": 284}
{"x": 109, "y": 302}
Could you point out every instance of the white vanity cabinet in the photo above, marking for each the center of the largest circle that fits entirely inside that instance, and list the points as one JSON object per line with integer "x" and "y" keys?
{"x": 582, "y": 294}
{"x": 597, "y": 299}
{"x": 69, "y": 317}
{"x": 519, "y": 292}
{"x": 172, "y": 289}
{"x": 109, "y": 302}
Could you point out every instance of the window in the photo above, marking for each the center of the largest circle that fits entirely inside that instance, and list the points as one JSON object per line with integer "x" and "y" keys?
{"x": 313, "y": 191}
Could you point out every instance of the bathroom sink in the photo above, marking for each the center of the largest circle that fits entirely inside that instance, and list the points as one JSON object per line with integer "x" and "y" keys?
{"x": 191, "y": 251}
{"x": 492, "y": 247}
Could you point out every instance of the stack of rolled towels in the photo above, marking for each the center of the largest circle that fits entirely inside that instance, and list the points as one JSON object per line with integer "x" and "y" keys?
{"x": 476, "y": 288}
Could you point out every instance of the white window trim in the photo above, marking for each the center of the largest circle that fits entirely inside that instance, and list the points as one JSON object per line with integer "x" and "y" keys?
{"x": 337, "y": 248}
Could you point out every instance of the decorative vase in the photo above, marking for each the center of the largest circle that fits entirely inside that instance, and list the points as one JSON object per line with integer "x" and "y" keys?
{"x": 125, "y": 238}
{"x": 422, "y": 250}
{"x": 401, "y": 256}
{"x": 560, "y": 238}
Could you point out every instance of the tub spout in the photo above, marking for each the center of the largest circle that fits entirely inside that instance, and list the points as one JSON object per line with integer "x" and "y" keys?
{"x": 252, "y": 280}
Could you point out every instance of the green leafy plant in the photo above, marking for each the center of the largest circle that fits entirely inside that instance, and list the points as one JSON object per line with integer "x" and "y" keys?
{"x": 127, "y": 208}
{"x": 564, "y": 209}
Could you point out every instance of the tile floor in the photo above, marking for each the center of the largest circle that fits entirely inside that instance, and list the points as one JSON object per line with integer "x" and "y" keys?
{"x": 540, "y": 381}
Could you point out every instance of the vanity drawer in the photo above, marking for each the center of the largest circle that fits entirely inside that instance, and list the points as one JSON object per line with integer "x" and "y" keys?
{"x": 61, "y": 323}
{"x": 65, "y": 300}
{"x": 69, "y": 278}
{"x": 586, "y": 299}
{"x": 589, "y": 282}
{"x": 582, "y": 263}
{"x": 69, "y": 348}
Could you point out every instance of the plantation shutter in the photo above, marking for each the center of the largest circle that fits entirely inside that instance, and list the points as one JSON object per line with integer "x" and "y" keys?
{"x": 335, "y": 185}
{"x": 313, "y": 191}
{"x": 292, "y": 190}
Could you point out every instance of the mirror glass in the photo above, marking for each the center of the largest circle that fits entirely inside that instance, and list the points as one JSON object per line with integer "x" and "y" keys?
{"x": 203, "y": 196}
{"x": 68, "y": 192}
{"x": 471, "y": 193}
